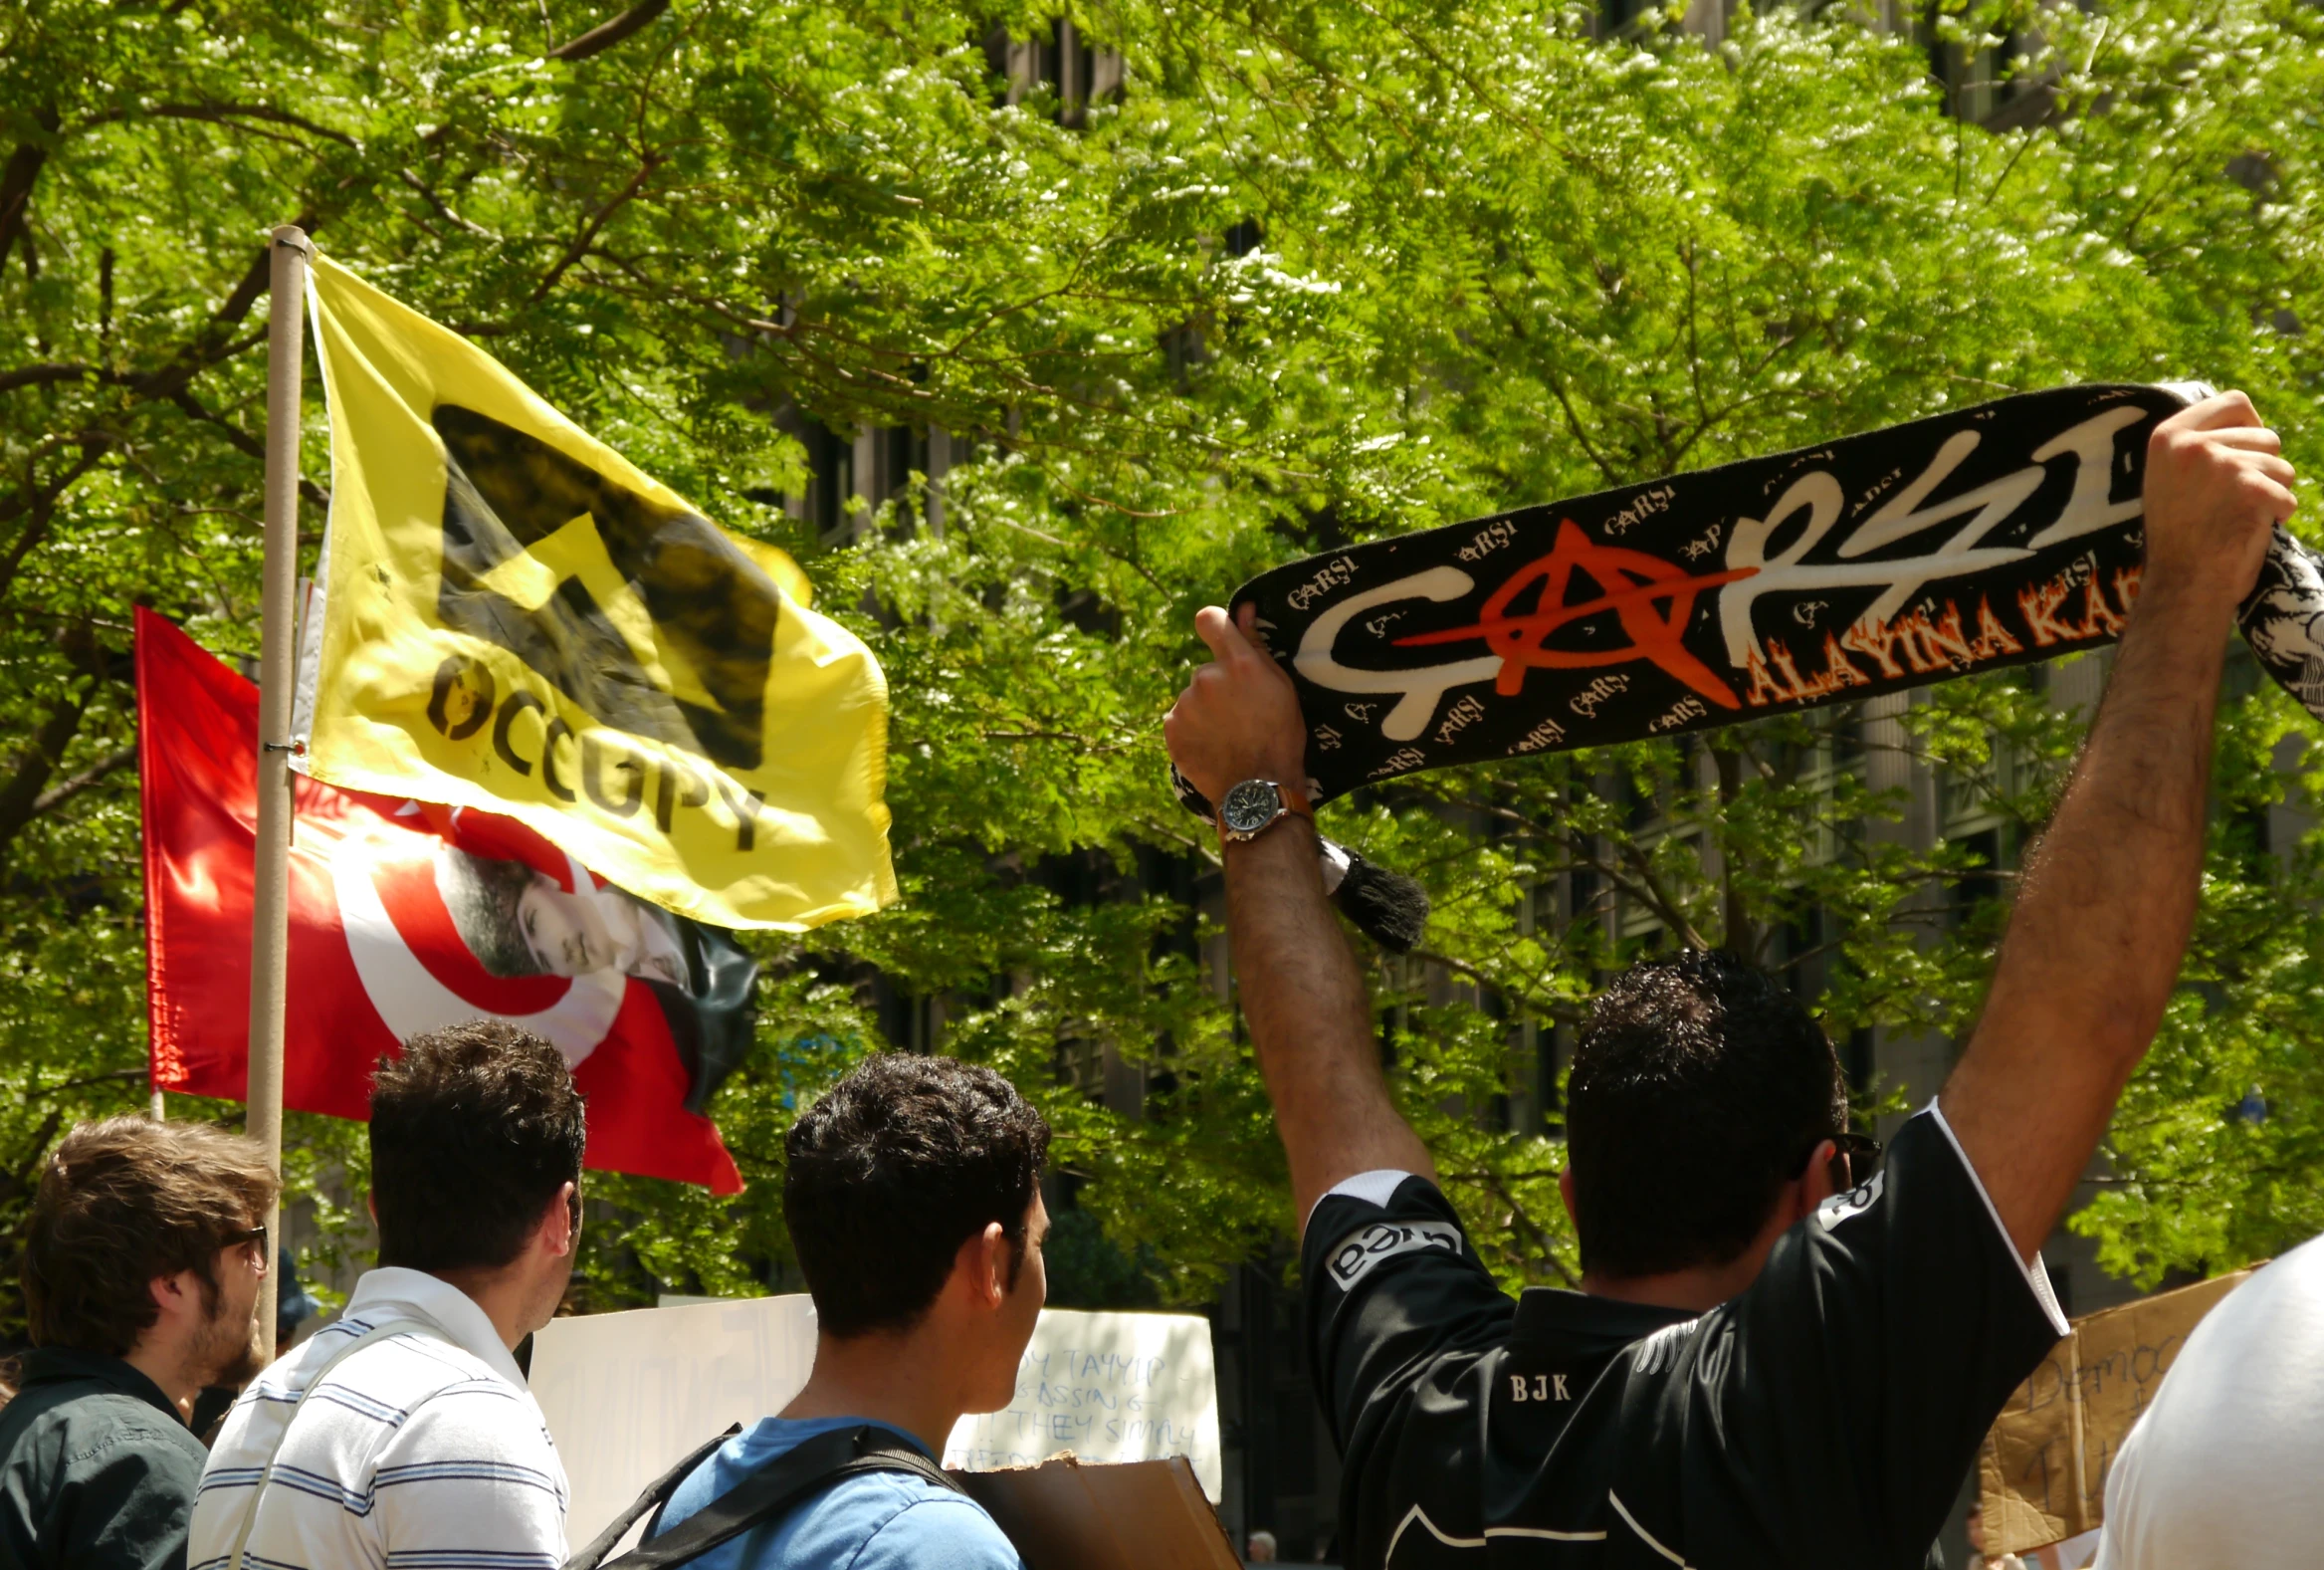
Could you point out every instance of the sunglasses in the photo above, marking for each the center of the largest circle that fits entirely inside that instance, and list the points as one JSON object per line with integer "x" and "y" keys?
{"x": 257, "y": 1235}
{"x": 1862, "y": 1152}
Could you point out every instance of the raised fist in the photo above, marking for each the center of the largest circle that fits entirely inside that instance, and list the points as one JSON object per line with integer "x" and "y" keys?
{"x": 2216, "y": 487}
{"x": 1238, "y": 719}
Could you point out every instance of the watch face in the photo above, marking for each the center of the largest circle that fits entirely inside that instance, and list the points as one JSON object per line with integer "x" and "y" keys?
{"x": 1250, "y": 806}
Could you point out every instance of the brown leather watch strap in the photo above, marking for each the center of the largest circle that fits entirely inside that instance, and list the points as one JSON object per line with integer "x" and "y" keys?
{"x": 1293, "y": 800}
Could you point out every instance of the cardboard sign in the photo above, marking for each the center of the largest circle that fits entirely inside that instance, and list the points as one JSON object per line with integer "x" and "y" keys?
{"x": 626, "y": 1394}
{"x": 1067, "y": 1516}
{"x": 2043, "y": 1470}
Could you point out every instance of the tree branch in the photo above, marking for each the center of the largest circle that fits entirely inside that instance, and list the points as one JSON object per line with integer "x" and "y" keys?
{"x": 1561, "y": 1013}
{"x": 110, "y": 1076}
{"x": 1520, "y": 1216}
{"x": 1581, "y": 436}
{"x": 15, "y": 1185}
{"x": 589, "y": 231}
{"x": 16, "y": 183}
{"x": 226, "y": 115}
{"x": 1740, "y": 936}
{"x": 607, "y": 34}
{"x": 20, "y": 796}
{"x": 41, "y": 503}
{"x": 1649, "y": 887}
{"x": 210, "y": 344}
{"x": 47, "y": 376}
{"x": 58, "y": 794}
{"x": 243, "y": 444}
{"x": 443, "y": 208}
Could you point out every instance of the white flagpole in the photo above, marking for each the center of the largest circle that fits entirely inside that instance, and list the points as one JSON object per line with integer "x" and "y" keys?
{"x": 269, "y": 927}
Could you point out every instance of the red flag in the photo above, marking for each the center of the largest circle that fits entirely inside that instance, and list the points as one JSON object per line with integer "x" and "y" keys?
{"x": 405, "y": 917}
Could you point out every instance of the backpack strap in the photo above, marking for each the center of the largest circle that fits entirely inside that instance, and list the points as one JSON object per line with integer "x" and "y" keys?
{"x": 379, "y": 1332}
{"x": 656, "y": 1493}
{"x": 767, "y": 1494}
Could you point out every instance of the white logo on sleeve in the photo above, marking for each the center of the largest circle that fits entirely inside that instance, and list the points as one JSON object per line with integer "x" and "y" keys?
{"x": 1855, "y": 1202}
{"x": 1660, "y": 1350}
{"x": 1368, "y": 1245}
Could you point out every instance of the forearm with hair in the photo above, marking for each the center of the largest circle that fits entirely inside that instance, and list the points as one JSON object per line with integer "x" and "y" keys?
{"x": 2101, "y": 922}
{"x": 1310, "y": 1021}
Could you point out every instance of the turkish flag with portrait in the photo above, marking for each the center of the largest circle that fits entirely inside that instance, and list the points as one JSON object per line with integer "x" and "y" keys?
{"x": 406, "y": 917}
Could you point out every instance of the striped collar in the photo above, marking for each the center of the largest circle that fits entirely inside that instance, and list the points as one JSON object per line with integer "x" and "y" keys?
{"x": 393, "y": 1293}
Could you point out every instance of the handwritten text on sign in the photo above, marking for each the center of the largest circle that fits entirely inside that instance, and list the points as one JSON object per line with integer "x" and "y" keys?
{"x": 1108, "y": 1387}
{"x": 2042, "y": 1471}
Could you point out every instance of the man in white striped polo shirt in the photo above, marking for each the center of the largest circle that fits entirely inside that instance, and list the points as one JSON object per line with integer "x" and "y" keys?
{"x": 405, "y": 1436}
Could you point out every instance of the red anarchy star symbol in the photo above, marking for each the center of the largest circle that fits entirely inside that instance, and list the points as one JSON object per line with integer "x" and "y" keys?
{"x": 1631, "y": 584}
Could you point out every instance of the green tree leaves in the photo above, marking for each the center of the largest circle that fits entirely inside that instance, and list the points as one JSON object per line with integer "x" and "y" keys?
{"x": 1313, "y": 275}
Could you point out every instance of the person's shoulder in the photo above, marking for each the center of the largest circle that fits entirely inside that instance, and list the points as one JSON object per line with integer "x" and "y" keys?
{"x": 1924, "y": 1175}
{"x": 2290, "y": 1284}
{"x": 2255, "y": 1363}
{"x": 83, "y": 1422}
{"x": 88, "y": 1433}
{"x": 1392, "y": 1237}
{"x": 908, "y": 1523}
{"x": 432, "y": 1395}
{"x": 1374, "y": 1217}
{"x": 407, "y": 1368}
{"x": 1369, "y": 1194}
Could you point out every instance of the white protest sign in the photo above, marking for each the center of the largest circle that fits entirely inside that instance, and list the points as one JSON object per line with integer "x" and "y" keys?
{"x": 626, "y": 1394}
{"x": 1108, "y": 1388}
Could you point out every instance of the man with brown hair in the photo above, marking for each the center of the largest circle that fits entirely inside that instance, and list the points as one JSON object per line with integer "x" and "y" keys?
{"x": 141, "y": 1272}
{"x": 404, "y": 1433}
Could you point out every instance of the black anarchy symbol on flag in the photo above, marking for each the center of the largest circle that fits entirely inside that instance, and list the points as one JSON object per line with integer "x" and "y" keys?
{"x": 711, "y": 612}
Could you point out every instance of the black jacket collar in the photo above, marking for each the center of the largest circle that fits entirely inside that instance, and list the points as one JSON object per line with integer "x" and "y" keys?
{"x": 58, "y": 1365}
{"x": 1549, "y": 1313}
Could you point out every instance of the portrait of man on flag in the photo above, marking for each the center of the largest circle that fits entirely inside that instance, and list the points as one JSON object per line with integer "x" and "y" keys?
{"x": 409, "y": 916}
{"x": 519, "y": 922}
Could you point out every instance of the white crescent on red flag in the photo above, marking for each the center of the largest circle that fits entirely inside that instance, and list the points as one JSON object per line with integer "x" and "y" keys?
{"x": 406, "y": 917}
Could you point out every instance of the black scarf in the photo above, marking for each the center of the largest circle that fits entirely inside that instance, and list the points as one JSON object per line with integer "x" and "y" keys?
{"x": 1996, "y": 536}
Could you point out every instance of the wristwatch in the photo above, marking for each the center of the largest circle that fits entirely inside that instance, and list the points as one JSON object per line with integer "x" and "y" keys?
{"x": 1256, "y": 806}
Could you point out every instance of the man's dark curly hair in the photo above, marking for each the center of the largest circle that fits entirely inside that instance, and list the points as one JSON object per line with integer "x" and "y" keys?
{"x": 901, "y": 1163}
{"x": 474, "y": 1130}
{"x": 1698, "y": 1086}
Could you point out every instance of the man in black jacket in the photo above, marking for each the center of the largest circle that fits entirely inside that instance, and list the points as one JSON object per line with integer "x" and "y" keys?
{"x": 142, "y": 1272}
{"x": 1766, "y": 1366}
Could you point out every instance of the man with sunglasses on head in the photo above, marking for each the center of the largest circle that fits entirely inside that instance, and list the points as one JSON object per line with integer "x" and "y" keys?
{"x": 404, "y": 1435}
{"x": 142, "y": 1270}
{"x": 1777, "y": 1358}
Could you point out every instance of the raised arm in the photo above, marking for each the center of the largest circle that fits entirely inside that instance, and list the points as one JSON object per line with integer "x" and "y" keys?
{"x": 1311, "y": 1025}
{"x": 2107, "y": 900}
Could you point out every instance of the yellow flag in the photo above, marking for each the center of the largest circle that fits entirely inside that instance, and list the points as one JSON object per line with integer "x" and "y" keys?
{"x": 512, "y": 619}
